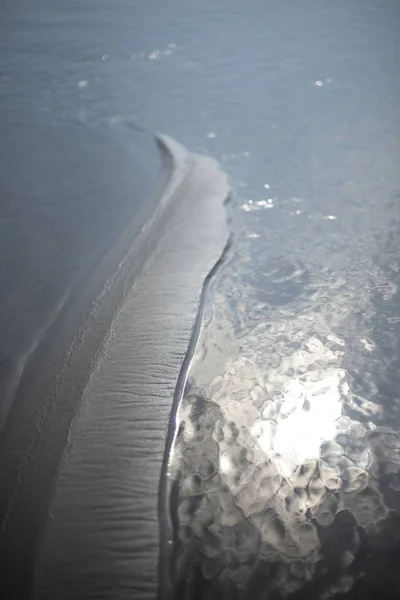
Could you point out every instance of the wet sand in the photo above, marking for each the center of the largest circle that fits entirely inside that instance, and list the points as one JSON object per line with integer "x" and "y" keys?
{"x": 102, "y": 536}
{"x": 51, "y": 386}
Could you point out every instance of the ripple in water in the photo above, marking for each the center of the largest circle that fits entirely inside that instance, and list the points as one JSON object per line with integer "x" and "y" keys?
{"x": 286, "y": 463}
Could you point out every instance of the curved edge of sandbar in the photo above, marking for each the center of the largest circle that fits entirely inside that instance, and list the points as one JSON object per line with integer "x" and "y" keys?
{"x": 102, "y": 536}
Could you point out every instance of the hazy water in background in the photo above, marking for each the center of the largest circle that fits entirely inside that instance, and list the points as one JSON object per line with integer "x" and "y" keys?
{"x": 299, "y": 102}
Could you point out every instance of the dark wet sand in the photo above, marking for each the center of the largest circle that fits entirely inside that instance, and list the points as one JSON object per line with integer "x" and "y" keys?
{"x": 101, "y": 539}
{"x": 52, "y": 385}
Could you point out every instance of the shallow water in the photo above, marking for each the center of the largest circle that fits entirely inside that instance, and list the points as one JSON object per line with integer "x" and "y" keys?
{"x": 285, "y": 465}
{"x": 299, "y": 102}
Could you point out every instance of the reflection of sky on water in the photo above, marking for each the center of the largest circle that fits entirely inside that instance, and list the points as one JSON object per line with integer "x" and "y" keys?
{"x": 273, "y": 456}
{"x": 288, "y": 451}
{"x": 308, "y": 415}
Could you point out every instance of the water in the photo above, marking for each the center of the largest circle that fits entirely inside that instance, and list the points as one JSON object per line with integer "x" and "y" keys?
{"x": 300, "y": 105}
